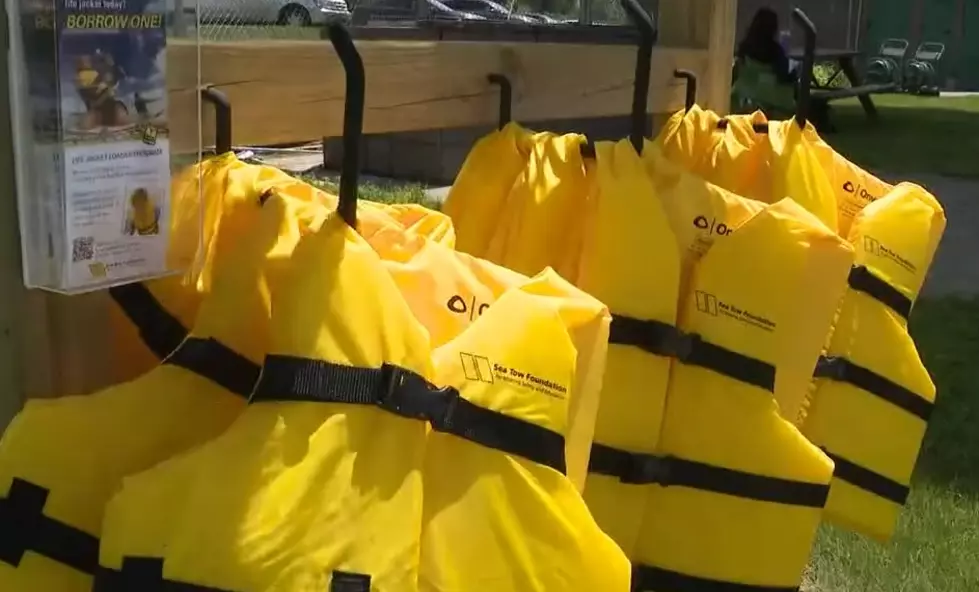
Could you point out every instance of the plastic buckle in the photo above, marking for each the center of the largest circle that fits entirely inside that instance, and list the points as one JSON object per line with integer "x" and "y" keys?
{"x": 833, "y": 368}
{"x": 647, "y": 469}
{"x": 445, "y": 401}
{"x": 682, "y": 345}
{"x": 399, "y": 393}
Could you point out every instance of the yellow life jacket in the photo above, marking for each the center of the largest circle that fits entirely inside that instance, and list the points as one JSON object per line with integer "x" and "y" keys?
{"x": 872, "y": 396}
{"x": 868, "y": 353}
{"x": 480, "y": 191}
{"x": 61, "y": 459}
{"x": 150, "y": 319}
{"x": 198, "y": 390}
{"x": 693, "y": 472}
{"x": 326, "y": 501}
{"x": 853, "y": 186}
{"x": 687, "y": 137}
{"x": 536, "y": 228}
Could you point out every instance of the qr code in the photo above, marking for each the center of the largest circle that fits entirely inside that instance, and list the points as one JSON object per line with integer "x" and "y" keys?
{"x": 82, "y": 248}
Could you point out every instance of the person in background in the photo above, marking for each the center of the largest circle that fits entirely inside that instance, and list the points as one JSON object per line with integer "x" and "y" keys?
{"x": 761, "y": 44}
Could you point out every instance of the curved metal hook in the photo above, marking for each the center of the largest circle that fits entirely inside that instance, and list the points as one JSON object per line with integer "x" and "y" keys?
{"x": 353, "y": 120}
{"x": 808, "y": 59}
{"x": 691, "y": 79}
{"x": 643, "y": 22}
{"x": 506, "y": 96}
{"x": 222, "y": 118}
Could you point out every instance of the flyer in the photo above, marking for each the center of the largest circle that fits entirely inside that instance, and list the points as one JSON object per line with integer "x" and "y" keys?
{"x": 98, "y": 103}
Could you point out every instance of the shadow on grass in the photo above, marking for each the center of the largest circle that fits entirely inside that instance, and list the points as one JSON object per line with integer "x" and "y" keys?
{"x": 912, "y": 134}
{"x": 946, "y": 331}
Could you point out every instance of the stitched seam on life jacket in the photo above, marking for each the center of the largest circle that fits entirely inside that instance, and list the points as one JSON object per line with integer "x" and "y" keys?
{"x": 407, "y": 394}
{"x": 216, "y": 362}
{"x": 868, "y": 480}
{"x": 670, "y": 471}
{"x": 142, "y": 574}
{"x": 840, "y": 369}
{"x": 646, "y": 578}
{"x": 662, "y": 339}
{"x": 863, "y": 280}
{"x": 158, "y": 329}
{"x": 24, "y": 527}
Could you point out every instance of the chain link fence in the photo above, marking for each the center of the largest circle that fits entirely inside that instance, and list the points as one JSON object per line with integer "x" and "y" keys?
{"x": 243, "y": 20}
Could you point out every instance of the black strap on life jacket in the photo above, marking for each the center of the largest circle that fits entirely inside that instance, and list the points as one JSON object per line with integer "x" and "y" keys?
{"x": 218, "y": 363}
{"x": 864, "y": 280}
{"x": 160, "y": 331}
{"x": 661, "y": 339}
{"x": 142, "y": 574}
{"x": 646, "y": 578}
{"x": 24, "y": 527}
{"x": 869, "y": 481}
{"x": 843, "y": 370}
{"x": 667, "y": 471}
{"x": 145, "y": 574}
{"x": 407, "y": 394}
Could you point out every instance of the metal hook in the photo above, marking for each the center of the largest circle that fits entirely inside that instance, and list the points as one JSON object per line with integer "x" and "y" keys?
{"x": 222, "y": 118}
{"x": 506, "y": 96}
{"x": 644, "y": 58}
{"x": 353, "y": 120}
{"x": 691, "y": 79}
{"x": 808, "y": 60}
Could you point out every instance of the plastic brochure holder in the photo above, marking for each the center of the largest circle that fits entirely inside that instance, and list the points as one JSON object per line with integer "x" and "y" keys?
{"x": 91, "y": 141}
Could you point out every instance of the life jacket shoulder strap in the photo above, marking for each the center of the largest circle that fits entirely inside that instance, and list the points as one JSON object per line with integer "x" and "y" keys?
{"x": 160, "y": 331}
{"x": 216, "y": 362}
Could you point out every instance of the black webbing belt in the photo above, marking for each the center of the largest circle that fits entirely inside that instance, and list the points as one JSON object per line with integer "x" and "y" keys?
{"x": 661, "y": 339}
{"x": 142, "y": 574}
{"x": 159, "y": 330}
{"x": 840, "y": 369}
{"x": 666, "y": 471}
{"x": 654, "y": 579}
{"x": 863, "y": 280}
{"x": 868, "y": 480}
{"x": 843, "y": 370}
{"x": 405, "y": 393}
{"x": 24, "y": 527}
{"x": 145, "y": 574}
{"x": 216, "y": 362}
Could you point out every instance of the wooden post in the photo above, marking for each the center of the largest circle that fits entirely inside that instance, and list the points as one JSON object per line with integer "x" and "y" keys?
{"x": 720, "y": 55}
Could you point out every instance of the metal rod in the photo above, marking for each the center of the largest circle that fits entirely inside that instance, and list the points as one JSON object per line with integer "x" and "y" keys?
{"x": 808, "y": 60}
{"x": 506, "y": 97}
{"x": 353, "y": 120}
{"x": 691, "y": 87}
{"x": 643, "y": 22}
{"x": 222, "y": 118}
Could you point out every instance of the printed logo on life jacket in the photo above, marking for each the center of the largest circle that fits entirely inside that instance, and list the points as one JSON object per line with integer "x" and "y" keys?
{"x": 872, "y": 246}
{"x": 712, "y": 226}
{"x": 710, "y": 304}
{"x": 458, "y": 305}
{"x": 480, "y": 369}
{"x": 859, "y": 191}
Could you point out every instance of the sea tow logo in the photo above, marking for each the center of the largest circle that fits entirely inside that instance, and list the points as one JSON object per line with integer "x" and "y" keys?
{"x": 712, "y": 226}
{"x": 710, "y": 304}
{"x": 872, "y": 246}
{"x": 859, "y": 191}
{"x": 480, "y": 369}
{"x": 459, "y": 306}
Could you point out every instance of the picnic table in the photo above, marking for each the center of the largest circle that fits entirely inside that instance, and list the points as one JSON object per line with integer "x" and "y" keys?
{"x": 844, "y": 61}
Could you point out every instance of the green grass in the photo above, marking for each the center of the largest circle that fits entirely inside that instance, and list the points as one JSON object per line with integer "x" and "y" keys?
{"x": 913, "y": 134}
{"x": 382, "y": 192}
{"x": 936, "y": 548}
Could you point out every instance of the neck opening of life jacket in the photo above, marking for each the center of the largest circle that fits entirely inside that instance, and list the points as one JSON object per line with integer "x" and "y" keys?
{"x": 693, "y": 472}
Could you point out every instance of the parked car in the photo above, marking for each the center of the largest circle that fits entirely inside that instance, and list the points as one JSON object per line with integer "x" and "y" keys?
{"x": 489, "y": 10}
{"x": 442, "y": 11}
{"x": 282, "y": 12}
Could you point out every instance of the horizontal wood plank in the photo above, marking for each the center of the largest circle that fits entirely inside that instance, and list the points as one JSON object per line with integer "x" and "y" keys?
{"x": 293, "y": 91}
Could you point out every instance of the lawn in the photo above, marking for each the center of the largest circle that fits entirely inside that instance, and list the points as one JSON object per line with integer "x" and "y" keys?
{"x": 913, "y": 134}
